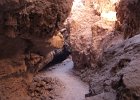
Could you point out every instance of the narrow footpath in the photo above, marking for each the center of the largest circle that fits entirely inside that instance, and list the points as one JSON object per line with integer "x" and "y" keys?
{"x": 74, "y": 89}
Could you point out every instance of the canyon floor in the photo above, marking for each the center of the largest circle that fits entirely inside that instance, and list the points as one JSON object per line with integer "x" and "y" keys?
{"x": 96, "y": 41}
{"x": 73, "y": 88}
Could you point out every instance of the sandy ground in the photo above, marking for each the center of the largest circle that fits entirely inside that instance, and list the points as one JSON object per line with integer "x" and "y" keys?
{"x": 74, "y": 88}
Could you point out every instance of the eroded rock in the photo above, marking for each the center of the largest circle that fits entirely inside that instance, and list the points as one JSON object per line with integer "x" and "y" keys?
{"x": 128, "y": 17}
{"x": 120, "y": 71}
{"x": 29, "y": 31}
{"x": 105, "y": 59}
{"x": 45, "y": 88}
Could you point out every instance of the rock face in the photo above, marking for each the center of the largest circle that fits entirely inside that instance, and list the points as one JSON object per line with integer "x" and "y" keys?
{"x": 102, "y": 54}
{"x": 32, "y": 17}
{"x": 119, "y": 72}
{"x": 29, "y": 31}
{"x": 89, "y": 29}
{"x": 45, "y": 88}
{"x": 128, "y": 17}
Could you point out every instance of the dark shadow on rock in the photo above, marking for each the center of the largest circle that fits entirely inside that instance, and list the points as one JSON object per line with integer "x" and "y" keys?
{"x": 59, "y": 55}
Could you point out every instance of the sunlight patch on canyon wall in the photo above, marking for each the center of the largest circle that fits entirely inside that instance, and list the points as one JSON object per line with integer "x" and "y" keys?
{"x": 77, "y": 4}
{"x": 105, "y": 8}
{"x": 110, "y": 15}
{"x": 114, "y": 1}
{"x": 76, "y": 9}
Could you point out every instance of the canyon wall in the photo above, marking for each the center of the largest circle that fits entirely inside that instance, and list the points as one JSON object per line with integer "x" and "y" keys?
{"x": 91, "y": 23}
{"x": 29, "y": 30}
{"x": 128, "y": 17}
{"x": 105, "y": 44}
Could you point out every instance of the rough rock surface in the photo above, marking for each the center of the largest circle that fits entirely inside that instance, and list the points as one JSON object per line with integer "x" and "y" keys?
{"x": 29, "y": 30}
{"x": 103, "y": 96}
{"x": 119, "y": 72}
{"x": 106, "y": 60}
{"x": 81, "y": 21}
{"x": 45, "y": 88}
{"x": 90, "y": 29}
{"x": 33, "y": 17}
{"x": 128, "y": 17}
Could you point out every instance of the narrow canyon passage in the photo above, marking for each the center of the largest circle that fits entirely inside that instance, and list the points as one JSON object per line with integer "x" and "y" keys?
{"x": 69, "y": 50}
{"x": 74, "y": 88}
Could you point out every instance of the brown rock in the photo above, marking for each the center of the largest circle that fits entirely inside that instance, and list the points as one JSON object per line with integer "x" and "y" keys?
{"x": 29, "y": 31}
{"x": 128, "y": 17}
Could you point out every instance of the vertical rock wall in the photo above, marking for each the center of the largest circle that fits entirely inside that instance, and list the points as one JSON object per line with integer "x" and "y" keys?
{"x": 29, "y": 30}
{"x": 91, "y": 23}
{"x": 100, "y": 52}
{"x": 128, "y": 17}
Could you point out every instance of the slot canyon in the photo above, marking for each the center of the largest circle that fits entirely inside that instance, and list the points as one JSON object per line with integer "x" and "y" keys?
{"x": 69, "y": 50}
